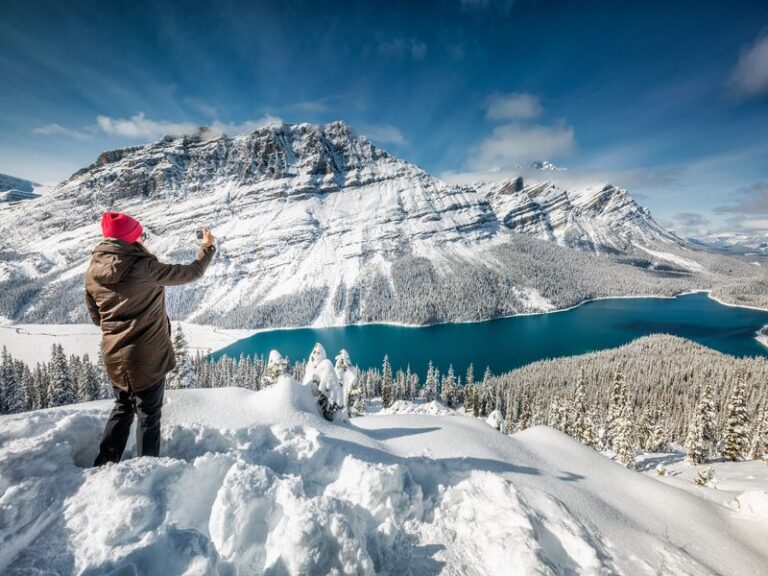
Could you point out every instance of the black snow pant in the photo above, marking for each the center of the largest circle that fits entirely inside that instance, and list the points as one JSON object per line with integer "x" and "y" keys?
{"x": 147, "y": 406}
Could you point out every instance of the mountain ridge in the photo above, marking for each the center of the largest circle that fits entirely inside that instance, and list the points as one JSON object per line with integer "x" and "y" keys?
{"x": 319, "y": 227}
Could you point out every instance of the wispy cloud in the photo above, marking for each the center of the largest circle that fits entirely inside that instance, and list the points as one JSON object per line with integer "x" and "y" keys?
{"x": 751, "y": 200}
{"x": 59, "y": 130}
{"x": 517, "y": 139}
{"x": 749, "y": 78}
{"x": 689, "y": 224}
{"x": 139, "y": 126}
{"x": 513, "y": 107}
{"x": 383, "y": 133}
{"x": 403, "y": 48}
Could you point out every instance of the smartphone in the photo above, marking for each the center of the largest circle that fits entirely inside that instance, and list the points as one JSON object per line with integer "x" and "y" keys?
{"x": 200, "y": 234}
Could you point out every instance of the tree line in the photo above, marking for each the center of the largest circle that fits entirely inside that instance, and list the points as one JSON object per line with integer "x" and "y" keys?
{"x": 652, "y": 394}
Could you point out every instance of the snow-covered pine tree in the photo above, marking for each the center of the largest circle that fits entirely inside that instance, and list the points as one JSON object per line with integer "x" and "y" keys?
{"x": 40, "y": 387}
{"x": 736, "y": 440}
{"x": 399, "y": 385}
{"x": 695, "y": 452}
{"x": 407, "y": 395}
{"x": 469, "y": 394}
{"x": 759, "y": 445}
{"x": 183, "y": 375}
{"x": 475, "y": 402}
{"x": 94, "y": 386}
{"x": 553, "y": 414}
{"x": 623, "y": 443}
{"x": 589, "y": 435}
{"x": 469, "y": 380}
{"x": 80, "y": 376}
{"x": 448, "y": 393}
{"x": 386, "y": 383}
{"x": 10, "y": 385}
{"x": 28, "y": 388}
{"x": 563, "y": 415}
{"x": 657, "y": 441}
{"x": 430, "y": 385}
{"x": 276, "y": 367}
{"x": 616, "y": 406}
{"x": 644, "y": 427}
{"x": 706, "y": 410}
{"x": 509, "y": 420}
{"x": 487, "y": 377}
{"x": 413, "y": 384}
{"x": 525, "y": 416}
{"x": 578, "y": 409}
{"x": 61, "y": 385}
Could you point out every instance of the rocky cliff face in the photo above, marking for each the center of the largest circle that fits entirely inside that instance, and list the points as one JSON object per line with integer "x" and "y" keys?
{"x": 600, "y": 219}
{"x": 317, "y": 226}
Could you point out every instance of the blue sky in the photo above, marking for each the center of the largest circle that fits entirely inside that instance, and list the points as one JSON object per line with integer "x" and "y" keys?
{"x": 668, "y": 99}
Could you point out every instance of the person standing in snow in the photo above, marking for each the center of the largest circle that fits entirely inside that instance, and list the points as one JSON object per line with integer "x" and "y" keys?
{"x": 125, "y": 296}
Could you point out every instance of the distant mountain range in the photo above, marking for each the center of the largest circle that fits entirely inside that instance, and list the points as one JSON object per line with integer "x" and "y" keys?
{"x": 318, "y": 227}
{"x": 16, "y": 189}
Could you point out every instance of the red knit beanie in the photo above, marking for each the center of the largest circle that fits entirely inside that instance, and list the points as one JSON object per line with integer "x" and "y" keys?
{"x": 120, "y": 226}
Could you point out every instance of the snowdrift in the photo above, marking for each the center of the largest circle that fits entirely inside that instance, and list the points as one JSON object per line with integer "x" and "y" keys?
{"x": 261, "y": 483}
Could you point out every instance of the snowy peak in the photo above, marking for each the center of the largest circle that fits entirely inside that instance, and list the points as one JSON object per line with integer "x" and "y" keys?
{"x": 14, "y": 189}
{"x": 545, "y": 166}
{"x": 317, "y": 226}
{"x": 322, "y": 157}
{"x": 603, "y": 218}
{"x": 13, "y": 183}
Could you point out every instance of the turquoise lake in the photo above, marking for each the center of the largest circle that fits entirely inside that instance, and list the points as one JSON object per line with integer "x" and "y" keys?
{"x": 508, "y": 343}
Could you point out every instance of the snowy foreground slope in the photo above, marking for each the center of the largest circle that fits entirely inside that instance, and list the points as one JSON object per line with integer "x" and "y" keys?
{"x": 257, "y": 482}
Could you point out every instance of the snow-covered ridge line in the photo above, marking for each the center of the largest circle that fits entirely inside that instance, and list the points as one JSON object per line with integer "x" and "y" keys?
{"x": 320, "y": 227}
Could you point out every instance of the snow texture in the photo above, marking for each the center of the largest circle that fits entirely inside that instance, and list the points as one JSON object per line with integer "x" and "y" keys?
{"x": 258, "y": 482}
{"x": 31, "y": 343}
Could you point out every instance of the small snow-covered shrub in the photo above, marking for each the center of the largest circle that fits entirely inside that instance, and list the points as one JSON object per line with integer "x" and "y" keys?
{"x": 276, "y": 367}
{"x": 706, "y": 478}
{"x": 331, "y": 384}
{"x": 496, "y": 419}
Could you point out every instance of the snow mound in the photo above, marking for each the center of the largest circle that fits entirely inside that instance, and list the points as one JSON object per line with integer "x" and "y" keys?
{"x": 260, "y": 483}
{"x": 433, "y": 408}
{"x": 753, "y": 504}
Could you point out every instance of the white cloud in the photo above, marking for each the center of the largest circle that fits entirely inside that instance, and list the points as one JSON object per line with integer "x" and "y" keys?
{"x": 513, "y": 107}
{"x": 139, "y": 126}
{"x": 513, "y": 143}
{"x": 750, "y": 76}
{"x": 383, "y": 134}
{"x": 59, "y": 130}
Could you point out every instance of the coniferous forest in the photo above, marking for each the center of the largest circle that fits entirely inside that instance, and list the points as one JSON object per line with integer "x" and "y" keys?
{"x": 652, "y": 394}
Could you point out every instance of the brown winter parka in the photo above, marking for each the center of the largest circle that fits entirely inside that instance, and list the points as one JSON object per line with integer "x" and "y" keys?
{"x": 125, "y": 295}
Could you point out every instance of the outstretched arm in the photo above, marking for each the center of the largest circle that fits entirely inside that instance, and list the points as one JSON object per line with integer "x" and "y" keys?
{"x": 177, "y": 274}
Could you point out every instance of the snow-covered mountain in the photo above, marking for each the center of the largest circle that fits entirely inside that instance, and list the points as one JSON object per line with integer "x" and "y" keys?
{"x": 319, "y": 226}
{"x": 741, "y": 241}
{"x": 14, "y": 189}
{"x": 602, "y": 218}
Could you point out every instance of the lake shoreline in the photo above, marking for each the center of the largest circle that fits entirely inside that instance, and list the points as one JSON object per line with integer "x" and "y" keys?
{"x": 761, "y": 338}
